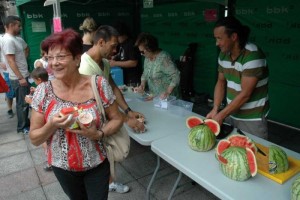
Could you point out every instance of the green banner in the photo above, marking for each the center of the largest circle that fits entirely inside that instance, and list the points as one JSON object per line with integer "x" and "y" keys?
{"x": 275, "y": 27}
{"x": 178, "y": 24}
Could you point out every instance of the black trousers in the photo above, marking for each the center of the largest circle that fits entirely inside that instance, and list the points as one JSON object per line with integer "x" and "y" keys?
{"x": 88, "y": 185}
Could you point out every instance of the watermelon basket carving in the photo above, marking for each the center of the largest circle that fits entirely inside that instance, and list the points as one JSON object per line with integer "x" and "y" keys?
{"x": 236, "y": 156}
{"x": 295, "y": 190}
{"x": 202, "y": 136}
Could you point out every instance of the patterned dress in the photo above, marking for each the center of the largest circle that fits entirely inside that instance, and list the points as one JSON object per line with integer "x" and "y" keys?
{"x": 68, "y": 150}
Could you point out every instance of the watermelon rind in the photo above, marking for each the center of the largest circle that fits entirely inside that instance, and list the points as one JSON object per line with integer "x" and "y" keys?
{"x": 242, "y": 141}
{"x": 213, "y": 125}
{"x": 278, "y": 160}
{"x": 201, "y": 138}
{"x": 251, "y": 162}
{"x": 237, "y": 167}
{"x": 222, "y": 145}
{"x": 193, "y": 121}
{"x": 295, "y": 189}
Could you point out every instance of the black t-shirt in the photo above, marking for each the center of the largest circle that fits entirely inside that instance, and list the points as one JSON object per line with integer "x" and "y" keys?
{"x": 127, "y": 51}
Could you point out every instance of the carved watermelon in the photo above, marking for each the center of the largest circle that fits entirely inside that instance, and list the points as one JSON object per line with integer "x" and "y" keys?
{"x": 295, "y": 190}
{"x": 278, "y": 160}
{"x": 201, "y": 138}
{"x": 213, "y": 125}
{"x": 193, "y": 121}
{"x": 240, "y": 163}
{"x": 242, "y": 141}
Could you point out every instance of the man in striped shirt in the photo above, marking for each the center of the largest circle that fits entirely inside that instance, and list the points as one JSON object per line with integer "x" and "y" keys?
{"x": 243, "y": 69}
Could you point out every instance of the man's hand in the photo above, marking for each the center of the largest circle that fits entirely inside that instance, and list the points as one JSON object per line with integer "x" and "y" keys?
{"x": 23, "y": 82}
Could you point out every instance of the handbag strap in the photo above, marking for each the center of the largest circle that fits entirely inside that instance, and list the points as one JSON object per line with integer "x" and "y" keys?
{"x": 97, "y": 96}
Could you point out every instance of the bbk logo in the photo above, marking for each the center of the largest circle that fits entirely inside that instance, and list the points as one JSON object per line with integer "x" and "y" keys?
{"x": 277, "y": 10}
{"x": 35, "y": 16}
{"x": 264, "y": 25}
{"x": 82, "y": 14}
{"x": 247, "y": 11}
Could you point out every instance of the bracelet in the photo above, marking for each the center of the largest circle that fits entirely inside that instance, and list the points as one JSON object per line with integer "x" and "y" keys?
{"x": 127, "y": 110}
{"x": 101, "y": 136}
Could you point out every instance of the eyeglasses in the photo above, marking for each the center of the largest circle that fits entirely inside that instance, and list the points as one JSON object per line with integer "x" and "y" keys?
{"x": 58, "y": 57}
{"x": 142, "y": 52}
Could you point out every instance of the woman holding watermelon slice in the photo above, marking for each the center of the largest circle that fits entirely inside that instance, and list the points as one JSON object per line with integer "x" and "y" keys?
{"x": 78, "y": 157}
{"x": 243, "y": 69}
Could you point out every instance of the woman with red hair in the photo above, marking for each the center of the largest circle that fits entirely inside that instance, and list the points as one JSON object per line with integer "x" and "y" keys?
{"x": 77, "y": 156}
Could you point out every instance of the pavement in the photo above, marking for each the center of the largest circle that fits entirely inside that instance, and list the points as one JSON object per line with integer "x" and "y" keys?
{"x": 22, "y": 176}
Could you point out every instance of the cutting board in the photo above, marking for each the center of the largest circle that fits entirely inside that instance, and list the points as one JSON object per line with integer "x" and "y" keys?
{"x": 263, "y": 166}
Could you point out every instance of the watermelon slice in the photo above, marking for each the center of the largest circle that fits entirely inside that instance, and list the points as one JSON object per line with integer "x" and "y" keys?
{"x": 213, "y": 125}
{"x": 251, "y": 162}
{"x": 69, "y": 110}
{"x": 222, "y": 145}
{"x": 242, "y": 141}
{"x": 193, "y": 121}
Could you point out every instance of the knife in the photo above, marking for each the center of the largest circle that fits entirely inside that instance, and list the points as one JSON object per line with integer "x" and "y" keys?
{"x": 258, "y": 149}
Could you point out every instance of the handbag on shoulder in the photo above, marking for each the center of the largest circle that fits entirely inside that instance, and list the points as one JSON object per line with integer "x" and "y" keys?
{"x": 3, "y": 86}
{"x": 116, "y": 145}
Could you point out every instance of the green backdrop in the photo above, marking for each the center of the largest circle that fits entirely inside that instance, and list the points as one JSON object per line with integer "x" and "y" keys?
{"x": 178, "y": 24}
{"x": 275, "y": 27}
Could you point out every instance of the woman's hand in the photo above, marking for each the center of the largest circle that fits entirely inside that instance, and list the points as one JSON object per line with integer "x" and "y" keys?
{"x": 90, "y": 132}
{"x": 164, "y": 95}
{"x": 59, "y": 121}
{"x": 141, "y": 88}
{"x": 136, "y": 124}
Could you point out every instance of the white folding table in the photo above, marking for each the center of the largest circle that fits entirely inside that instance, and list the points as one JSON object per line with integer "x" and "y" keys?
{"x": 203, "y": 168}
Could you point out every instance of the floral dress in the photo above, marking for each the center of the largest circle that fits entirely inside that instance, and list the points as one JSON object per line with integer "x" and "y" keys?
{"x": 160, "y": 74}
{"x": 66, "y": 149}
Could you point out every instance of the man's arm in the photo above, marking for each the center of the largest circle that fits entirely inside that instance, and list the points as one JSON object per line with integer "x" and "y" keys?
{"x": 219, "y": 94}
{"x": 248, "y": 85}
{"x": 12, "y": 63}
{"x": 119, "y": 96}
{"x": 124, "y": 64}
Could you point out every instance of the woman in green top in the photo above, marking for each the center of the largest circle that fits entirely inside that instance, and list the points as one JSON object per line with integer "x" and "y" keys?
{"x": 160, "y": 72}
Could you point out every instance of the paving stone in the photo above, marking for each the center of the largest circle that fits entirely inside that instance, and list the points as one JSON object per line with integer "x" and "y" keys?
{"x": 15, "y": 163}
{"x": 19, "y": 182}
{"x": 35, "y": 194}
{"x": 13, "y": 148}
{"x": 54, "y": 191}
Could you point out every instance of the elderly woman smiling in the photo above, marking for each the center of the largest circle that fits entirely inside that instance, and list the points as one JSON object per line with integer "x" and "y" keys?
{"x": 77, "y": 156}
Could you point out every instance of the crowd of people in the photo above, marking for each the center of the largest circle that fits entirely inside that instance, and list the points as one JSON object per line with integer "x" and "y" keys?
{"x": 63, "y": 79}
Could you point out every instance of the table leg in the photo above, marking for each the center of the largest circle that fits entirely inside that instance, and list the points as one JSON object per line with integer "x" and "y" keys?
{"x": 175, "y": 185}
{"x": 153, "y": 178}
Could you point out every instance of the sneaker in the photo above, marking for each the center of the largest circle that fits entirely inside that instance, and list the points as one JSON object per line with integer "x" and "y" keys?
{"x": 26, "y": 131}
{"x": 47, "y": 167}
{"x": 118, "y": 187}
{"x": 10, "y": 113}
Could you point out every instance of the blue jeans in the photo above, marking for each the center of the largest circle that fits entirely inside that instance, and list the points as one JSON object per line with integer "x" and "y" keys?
{"x": 87, "y": 185}
{"x": 22, "y": 108}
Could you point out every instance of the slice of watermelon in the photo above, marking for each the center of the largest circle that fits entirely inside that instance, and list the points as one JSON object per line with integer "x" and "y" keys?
{"x": 222, "y": 145}
{"x": 251, "y": 162}
{"x": 213, "y": 125}
{"x": 242, "y": 141}
{"x": 193, "y": 121}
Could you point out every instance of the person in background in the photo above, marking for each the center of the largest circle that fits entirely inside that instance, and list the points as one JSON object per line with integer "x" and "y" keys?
{"x": 160, "y": 72}
{"x": 39, "y": 75}
{"x": 89, "y": 26}
{"x": 94, "y": 61}
{"x": 43, "y": 62}
{"x": 9, "y": 96}
{"x": 77, "y": 156}
{"x": 128, "y": 56}
{"x": 14, "y": 51}
{"x": 243, "y": 70}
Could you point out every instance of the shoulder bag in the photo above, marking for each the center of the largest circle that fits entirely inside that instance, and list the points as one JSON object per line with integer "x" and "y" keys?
{"x": 3, "y": 86}
{"x": 116, "y": 145}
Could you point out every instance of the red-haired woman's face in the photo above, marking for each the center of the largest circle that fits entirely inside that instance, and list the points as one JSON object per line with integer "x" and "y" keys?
{"x": 62, "y": 63}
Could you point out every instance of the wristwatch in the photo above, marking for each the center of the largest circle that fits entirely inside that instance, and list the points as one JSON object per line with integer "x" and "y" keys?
{"x": 127, "y": 110}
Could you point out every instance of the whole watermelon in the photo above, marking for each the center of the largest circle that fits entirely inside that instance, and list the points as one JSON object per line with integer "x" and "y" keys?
{"x": 237, "y": 166}
{"x": 295, "y": 191}
{"x": 201, "y": 138}
{"x": 278, "y": 160}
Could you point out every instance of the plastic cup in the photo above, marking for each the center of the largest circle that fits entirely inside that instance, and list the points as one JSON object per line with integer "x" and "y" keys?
{"x": 86, "y": 119}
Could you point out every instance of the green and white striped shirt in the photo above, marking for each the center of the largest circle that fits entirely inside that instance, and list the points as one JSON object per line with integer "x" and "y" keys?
{"x": 251, "y": 63}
